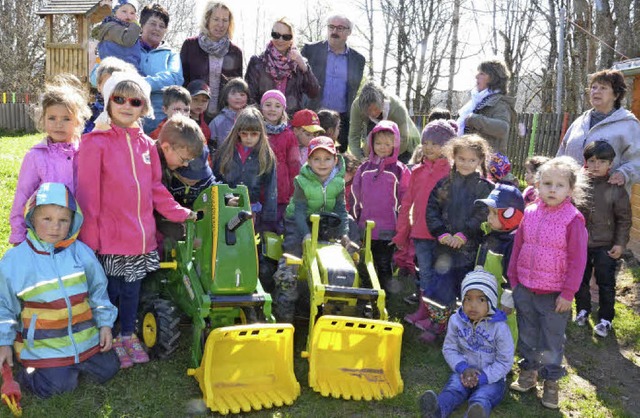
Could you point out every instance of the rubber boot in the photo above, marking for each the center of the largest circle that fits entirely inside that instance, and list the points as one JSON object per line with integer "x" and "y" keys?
{"x": 420, "y": 314}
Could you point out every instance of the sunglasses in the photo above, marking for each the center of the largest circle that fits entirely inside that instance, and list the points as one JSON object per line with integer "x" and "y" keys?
{"x": 276, "y": 35}
{"x": 133, "y": 101}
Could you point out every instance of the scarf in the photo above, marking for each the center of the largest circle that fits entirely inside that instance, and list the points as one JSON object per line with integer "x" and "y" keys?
{"x": 274, "y": 129}
{"x": 278, "y": 66}
{"x": 216, "y": 48}
{"x": 470, "y": 106}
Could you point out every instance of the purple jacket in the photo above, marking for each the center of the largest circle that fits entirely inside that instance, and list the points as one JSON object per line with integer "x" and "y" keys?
{"x": 45, "y": 162}
{"x": 378, "y": 186}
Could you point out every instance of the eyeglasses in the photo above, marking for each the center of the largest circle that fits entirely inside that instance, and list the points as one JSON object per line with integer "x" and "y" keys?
{"x": 276, "y": 35}
{"x": 182, "y": 159}
{"x": 133, "y": 101}
{"x": 337, "y": 28}
{"x": 249, "y": 134}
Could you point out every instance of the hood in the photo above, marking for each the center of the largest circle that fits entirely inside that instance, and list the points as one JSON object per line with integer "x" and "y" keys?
{"x": 618, "y": 115}
{"x": 385, "y": 125}
{"x": 53, "y": 194}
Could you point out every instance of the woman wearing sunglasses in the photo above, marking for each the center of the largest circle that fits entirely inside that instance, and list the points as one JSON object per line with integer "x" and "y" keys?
{"x": 281, "y": 67}
{"x": 211, "y": 56}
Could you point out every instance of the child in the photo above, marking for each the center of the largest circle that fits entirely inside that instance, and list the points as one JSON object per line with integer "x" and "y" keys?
{"x": 434, "y": 167}
{"x": 306, "y": 126}
{"x": 545, "y": 271}
{"x": 284, "y": 145}
{"x": 246, "y": 158}
{"x": 330, "y": 122}
{"x": 454, "y": 220}
{"x": 318, "y": 188}
{"x": 107, "y": 67}
{"x": 506, "y": 209}
{"x": 32, "y": 286}
{"x": 608, "y": 217}
{"x": 234, "y": 98}
{"x": 531, "y": 166}
{"x": 62, "y": 114}
{"x": 479, "y": 349}
{"x": 119, "y": 187}
{"x": 175, "y": 99}
{"x": 119, "y": 34}
{"x": 378, "y": 187}
{"x": 200, "y": 96}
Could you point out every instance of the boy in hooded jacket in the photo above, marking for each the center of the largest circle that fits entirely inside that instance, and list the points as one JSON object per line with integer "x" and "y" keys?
{"x": 54, "y": 307}
{"x": 378, "y": 188}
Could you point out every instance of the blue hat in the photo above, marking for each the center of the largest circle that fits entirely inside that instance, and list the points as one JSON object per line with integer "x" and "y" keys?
{"x": 504, "y": 196}
{"x": 198, "y": 168}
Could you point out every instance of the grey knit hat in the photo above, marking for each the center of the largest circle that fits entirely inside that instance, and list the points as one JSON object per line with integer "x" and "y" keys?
{"x": 483, "y": 281}
{"x": 439, "y": 131}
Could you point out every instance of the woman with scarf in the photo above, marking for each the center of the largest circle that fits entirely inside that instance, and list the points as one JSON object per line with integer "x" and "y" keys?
{"x": 281, "y": 67}
{"x": 490, "y": 111}
{"x": 211, "y": 56}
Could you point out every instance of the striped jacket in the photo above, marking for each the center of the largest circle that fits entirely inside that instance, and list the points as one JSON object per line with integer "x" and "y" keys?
{"x": 53, "y": 297}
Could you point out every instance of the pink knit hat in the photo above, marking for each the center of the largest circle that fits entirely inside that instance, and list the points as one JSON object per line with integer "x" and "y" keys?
{"x": 274, "y": 94}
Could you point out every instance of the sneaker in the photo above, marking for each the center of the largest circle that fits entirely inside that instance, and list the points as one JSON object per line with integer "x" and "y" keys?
{"x": 125, "y": 360}
{"x": 550, "y": 394}
{"x": 429, "y": 405}
{"x": 526, "y": 380}
{"x": 476, "y": 411}
{"x": 602, "y": 329}
{"x": 582, "y": 318}
{"x": 134, "y": 349}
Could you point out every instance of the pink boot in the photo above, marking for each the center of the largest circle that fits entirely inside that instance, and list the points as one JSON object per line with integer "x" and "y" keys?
{"x": 420, "y": 314}
{"x": 424, "y": 324}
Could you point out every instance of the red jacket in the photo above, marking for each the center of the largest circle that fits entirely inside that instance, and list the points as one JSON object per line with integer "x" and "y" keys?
{"x": 119, "y": 186}
{"x": 414, "y": 203}
{"x": 285, "y": 147}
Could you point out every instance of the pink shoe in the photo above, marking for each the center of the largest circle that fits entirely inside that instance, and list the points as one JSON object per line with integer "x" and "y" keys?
{"x": 125, "y": 360}
{"x": 135, "y": 350}
{"x": 424, "y": 324}
{"x": 419, "y": 315}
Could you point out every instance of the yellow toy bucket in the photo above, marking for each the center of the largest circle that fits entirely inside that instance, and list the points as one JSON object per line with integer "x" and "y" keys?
{"x": 248, "y": 367}
{"x": 355, "y": 358}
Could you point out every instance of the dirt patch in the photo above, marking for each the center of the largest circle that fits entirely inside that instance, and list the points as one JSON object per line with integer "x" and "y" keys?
{"x": 628, "y": 291}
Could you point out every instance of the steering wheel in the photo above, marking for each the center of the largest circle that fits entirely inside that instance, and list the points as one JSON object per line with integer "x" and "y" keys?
{"x": 328, "y": 226}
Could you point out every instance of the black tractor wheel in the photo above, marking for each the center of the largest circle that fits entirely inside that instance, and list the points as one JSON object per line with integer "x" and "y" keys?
{"x": 159, "y": 327}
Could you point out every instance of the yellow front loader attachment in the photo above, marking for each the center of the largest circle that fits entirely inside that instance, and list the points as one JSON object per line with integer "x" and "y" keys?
{"x": 248, "y": 367}
{"x": 355, "y": 358}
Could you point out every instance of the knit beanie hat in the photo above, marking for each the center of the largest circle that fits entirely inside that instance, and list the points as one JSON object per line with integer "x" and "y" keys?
{"x": 120, "y": 3}
{"x": 110, "y": 85}
{"x": 439, "y": 131}
{"x": 499, "y": 166}
{"x": 483, "y": 281}
{"x": 274, "y": 94}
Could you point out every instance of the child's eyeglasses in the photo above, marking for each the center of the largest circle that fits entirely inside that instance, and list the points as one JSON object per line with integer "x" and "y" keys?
{"x": 276, "y": 35}
{"x": 182, "y": 159}
{"x": 133, "y": 101}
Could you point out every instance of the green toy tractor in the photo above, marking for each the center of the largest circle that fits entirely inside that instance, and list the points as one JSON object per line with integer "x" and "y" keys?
{"x": 241, "y": 359}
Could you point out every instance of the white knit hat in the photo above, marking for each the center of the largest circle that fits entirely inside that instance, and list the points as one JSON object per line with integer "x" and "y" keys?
{"x": 110, "y": 85}
{"x": 134, "y": 3}
{"x": 481, "y": 280}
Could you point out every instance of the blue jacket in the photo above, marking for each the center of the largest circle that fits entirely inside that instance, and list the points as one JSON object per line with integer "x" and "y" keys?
{"x": 221, "y": 125}
{"x": 486, "y": 346}
{"x": 53, "y": 297}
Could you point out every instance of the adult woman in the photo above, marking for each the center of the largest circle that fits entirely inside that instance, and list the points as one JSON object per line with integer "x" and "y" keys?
{"x": 281, "y": 67}
{"x": 159, "y": 62}
{"x": 371, "y": 106}
{"x": 607, "y": 121}
{"x": 489, "y": 112}
{"x": 211, "y": 56}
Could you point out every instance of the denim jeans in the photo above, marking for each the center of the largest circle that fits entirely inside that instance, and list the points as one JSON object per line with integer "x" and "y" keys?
{"x": 424, "y": 255}
{"x": 604, "y": 267}
{"x": 454, "y": 394}
{"x": 126, "y": 297}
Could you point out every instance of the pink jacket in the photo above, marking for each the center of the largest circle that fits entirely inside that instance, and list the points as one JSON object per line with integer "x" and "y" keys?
{"x": 45, "y": 162}
{"x": 285, "y": 147}
{"x": 414, "y": 203}
{"x": 119, "y": 186}
{"x": 550, "y": 249}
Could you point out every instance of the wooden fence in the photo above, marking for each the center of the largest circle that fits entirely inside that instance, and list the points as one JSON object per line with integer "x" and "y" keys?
{"x": 533, "y": 134}
{"x": 15, "y": 112}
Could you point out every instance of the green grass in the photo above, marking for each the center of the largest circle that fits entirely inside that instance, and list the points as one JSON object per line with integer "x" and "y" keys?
{"x": 162, "y": 388}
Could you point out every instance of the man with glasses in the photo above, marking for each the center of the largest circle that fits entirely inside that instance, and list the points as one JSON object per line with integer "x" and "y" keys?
{"x": 339, "y": 71}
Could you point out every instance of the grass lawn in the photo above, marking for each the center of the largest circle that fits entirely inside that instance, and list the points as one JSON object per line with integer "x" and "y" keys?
{"x": 593, "y": 388}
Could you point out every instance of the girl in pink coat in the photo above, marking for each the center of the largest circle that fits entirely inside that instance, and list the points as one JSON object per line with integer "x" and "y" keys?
{"x": 63, "y": 112}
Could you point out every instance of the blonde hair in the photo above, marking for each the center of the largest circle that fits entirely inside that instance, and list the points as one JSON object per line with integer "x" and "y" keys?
{"x": 110, "y": 65}
{"x": 568, "y": 167}
{"x": 285, "y": 21}
{"x": 128, "y": 88}
{"x": 249, "y": 119}
{"x": 67, "y": 95}
{"x": 471, "y": 142}
{"x": 181, "y": 131}
{"x": 208, "y": 12}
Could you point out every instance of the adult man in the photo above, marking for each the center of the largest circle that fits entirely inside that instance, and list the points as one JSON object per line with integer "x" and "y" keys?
{"x": 339, "y": 71}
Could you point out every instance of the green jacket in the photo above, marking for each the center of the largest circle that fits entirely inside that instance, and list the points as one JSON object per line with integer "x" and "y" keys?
{"x": 493, "y": 121}
{"x": 311, "y": 196}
